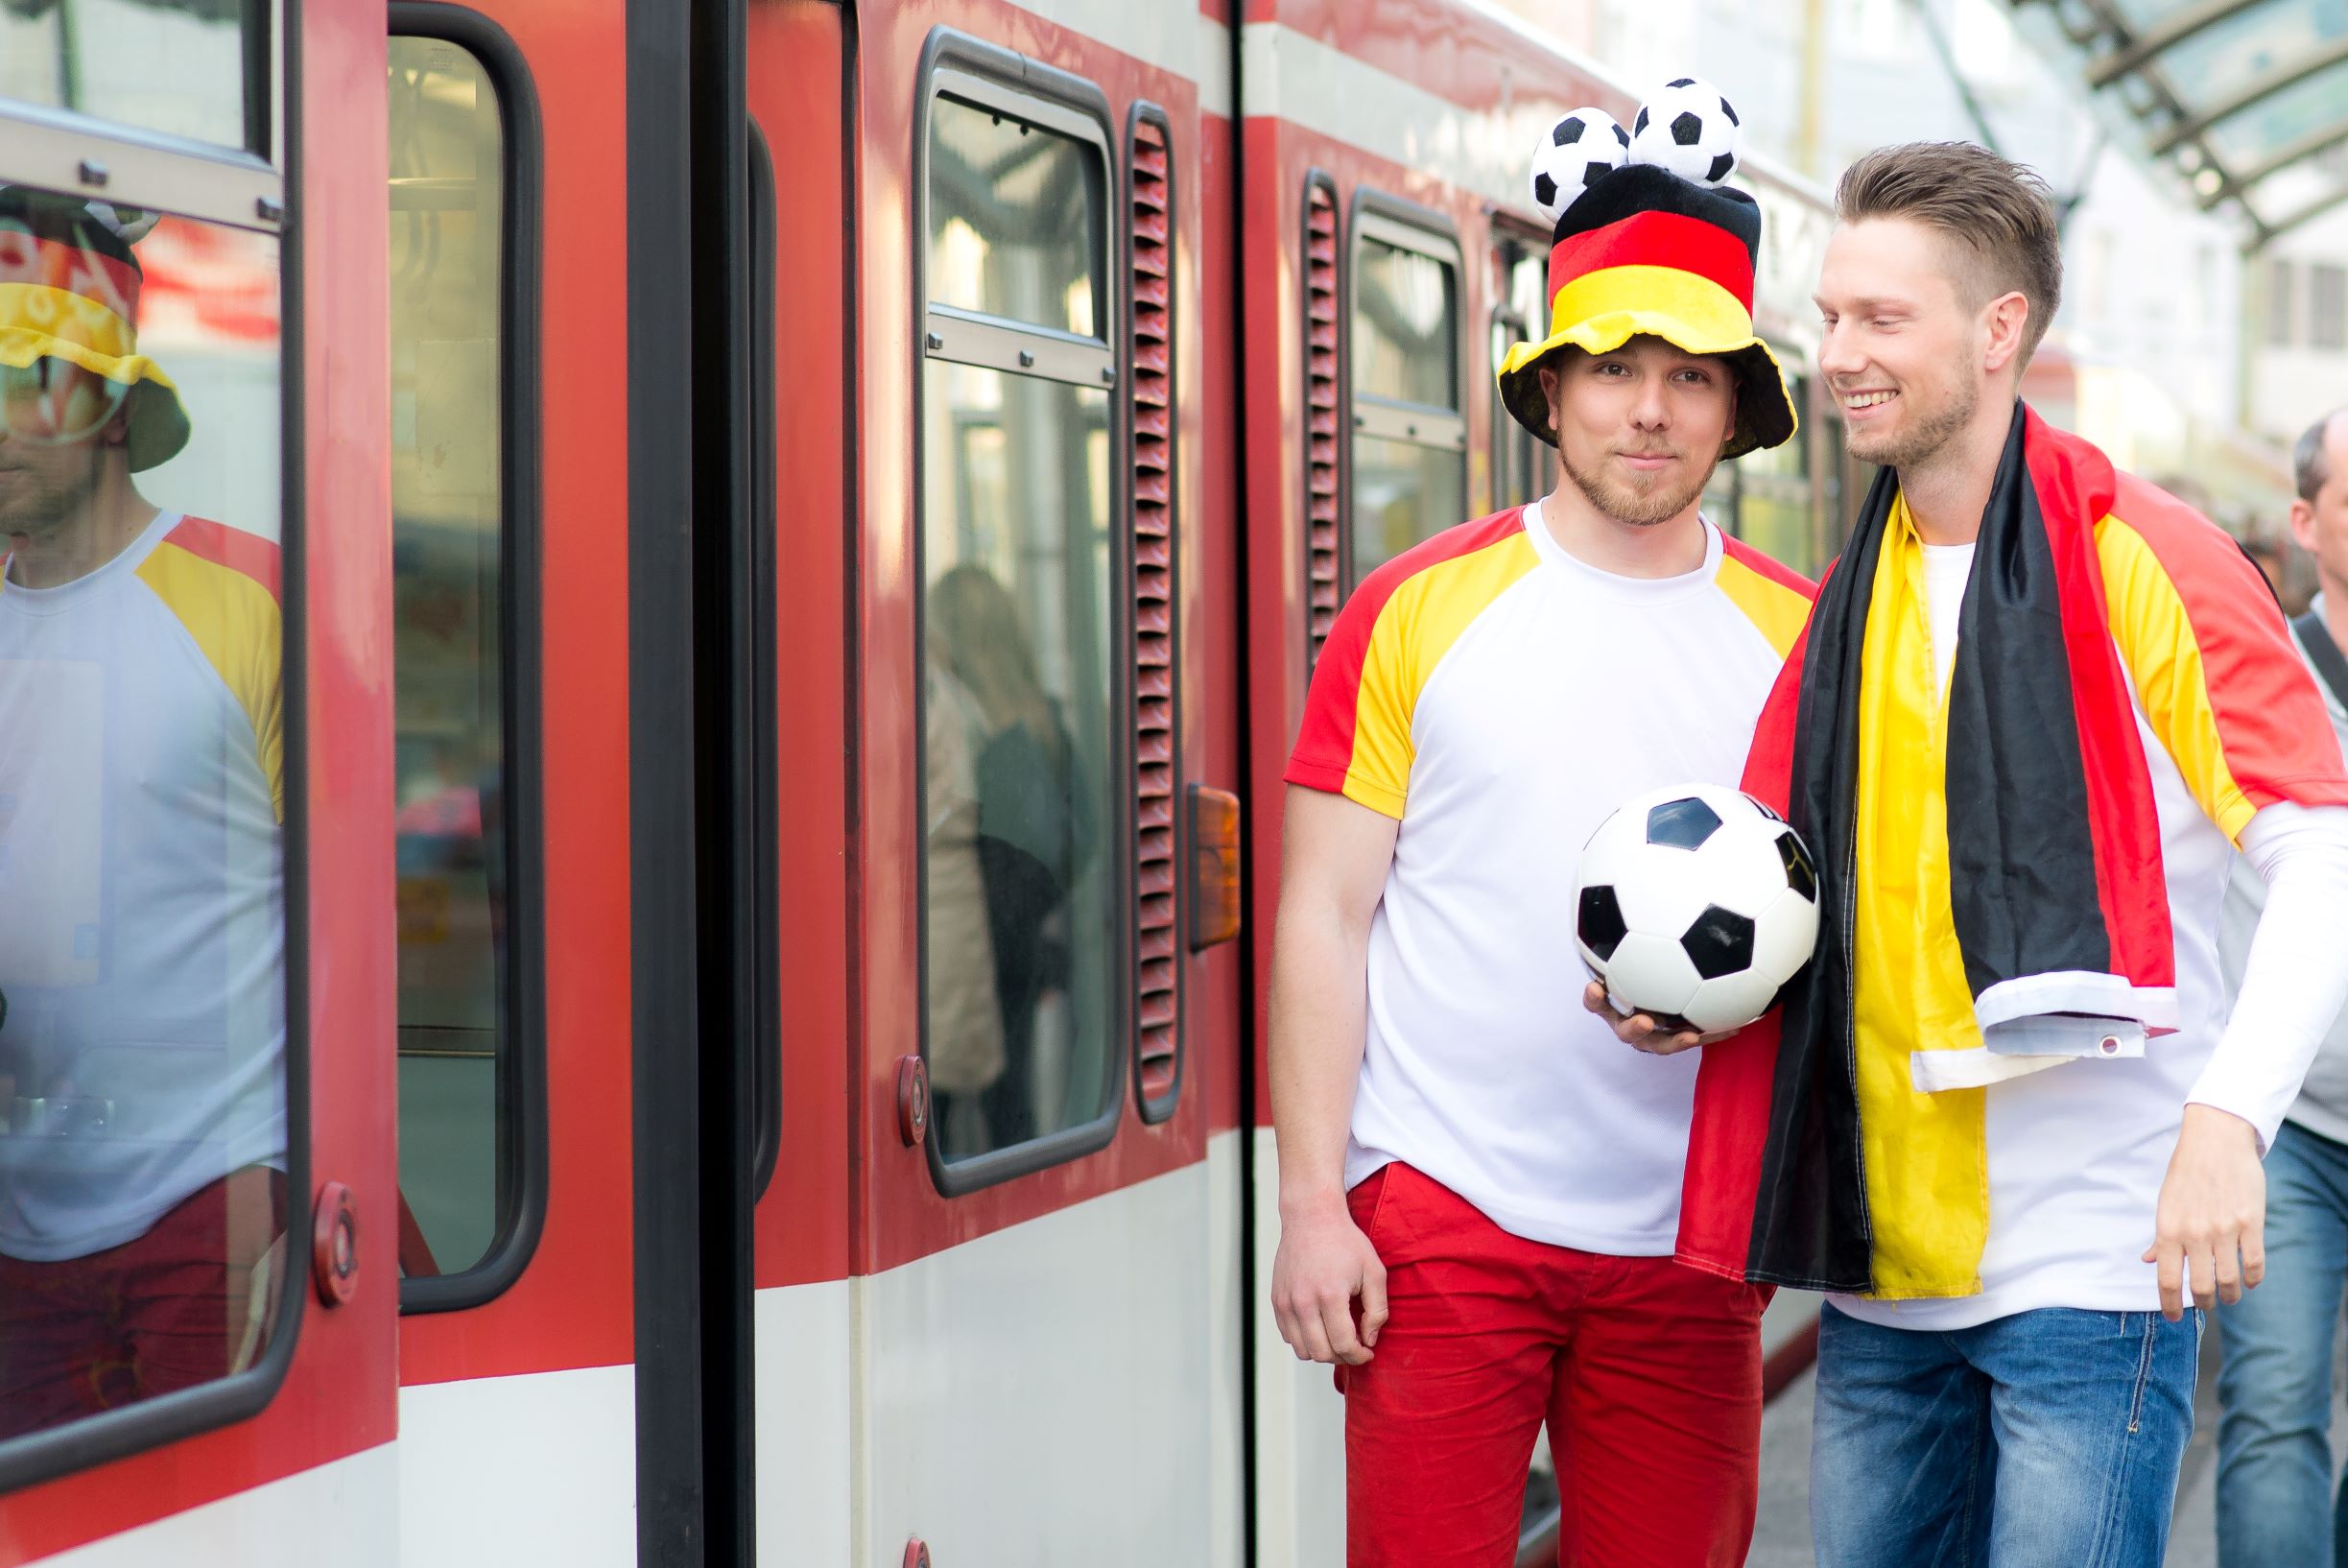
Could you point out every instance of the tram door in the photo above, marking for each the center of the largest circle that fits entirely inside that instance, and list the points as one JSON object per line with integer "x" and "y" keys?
{"x": 196, "y": 1299}
{"x": 1018, "y": 1290}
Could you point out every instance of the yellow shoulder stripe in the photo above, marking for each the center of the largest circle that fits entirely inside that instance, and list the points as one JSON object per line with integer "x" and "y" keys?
{"x": 235, "y": 623}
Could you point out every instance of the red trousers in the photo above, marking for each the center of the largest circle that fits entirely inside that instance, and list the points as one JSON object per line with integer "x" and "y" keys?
{"x": 164, "y": 1311}
{"x": 1648, "y": 1373}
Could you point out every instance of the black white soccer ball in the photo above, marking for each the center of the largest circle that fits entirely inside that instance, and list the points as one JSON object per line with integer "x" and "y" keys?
{"x": 1696, "y": 904}
{"x": 1689, "y": 128}
{"x": 1574, "y": 154}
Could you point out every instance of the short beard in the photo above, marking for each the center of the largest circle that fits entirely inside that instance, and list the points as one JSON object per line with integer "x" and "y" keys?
{"x": 1930, "y": 432}
{"x": 1632, "y": 506}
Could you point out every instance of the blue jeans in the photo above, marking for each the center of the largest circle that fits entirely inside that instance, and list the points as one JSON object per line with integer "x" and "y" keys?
{"x": 2274, "y": 1457}
{"x": 2045, "y": 1439}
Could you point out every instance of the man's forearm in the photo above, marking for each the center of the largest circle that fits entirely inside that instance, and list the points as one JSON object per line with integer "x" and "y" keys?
{"x": 1318, "y": 1008}
{"x": 2293, "y": 980}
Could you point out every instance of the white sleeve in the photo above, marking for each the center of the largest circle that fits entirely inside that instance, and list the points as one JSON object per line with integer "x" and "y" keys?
{"x": 2294, "y": 978}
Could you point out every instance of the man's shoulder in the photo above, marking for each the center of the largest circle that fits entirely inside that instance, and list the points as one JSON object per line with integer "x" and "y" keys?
{"x": 1736, "y": 553}
{"x": 231, "y": 550}
{"x": 1455, "y": 543}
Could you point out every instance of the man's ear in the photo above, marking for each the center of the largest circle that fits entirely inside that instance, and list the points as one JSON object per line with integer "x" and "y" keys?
{"x": 2303, "y": 525}
{"x": 2007, "y": 317}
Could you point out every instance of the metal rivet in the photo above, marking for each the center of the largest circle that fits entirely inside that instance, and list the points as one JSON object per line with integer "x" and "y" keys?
{"x": 1108, "y": 374}
{"x": 268, "y": 210}
{"x": 1027, "y": 358}
{"x": 935, "y": 341}
{"x": 94, "y": 173}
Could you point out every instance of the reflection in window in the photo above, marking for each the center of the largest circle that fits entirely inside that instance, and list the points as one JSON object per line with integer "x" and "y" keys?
{"x": 1410, "y": 446}
{"x": 1019, "y": 928}
{"x": 193, "y": 68}
{"x": 143, "y": 1133}
{"x": 1016, "y": 219}
{"x": 449, "y": 650}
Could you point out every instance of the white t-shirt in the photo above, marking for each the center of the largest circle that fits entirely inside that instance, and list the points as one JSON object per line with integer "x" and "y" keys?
{"x": 142, "y": 911}
{"x": 2076, "y": 1153}
{"x": 1501, "y": 699}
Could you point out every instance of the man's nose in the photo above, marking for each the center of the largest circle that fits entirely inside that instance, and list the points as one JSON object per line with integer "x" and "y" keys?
{"x": 1836, "y": 357}
{"x": 1651, "y": 409}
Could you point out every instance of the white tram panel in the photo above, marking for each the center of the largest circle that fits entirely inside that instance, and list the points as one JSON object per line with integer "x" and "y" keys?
{"x": 1044, "y": 1395}
{"x": 539, "y": 1467}
{"x": 339, "y": 1513}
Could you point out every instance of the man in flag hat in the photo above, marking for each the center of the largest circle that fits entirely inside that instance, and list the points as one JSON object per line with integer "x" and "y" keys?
{"x": 142, "y": 923}
{"x": 1479, "y": 1188}
{"x": 2004, "y": 1116}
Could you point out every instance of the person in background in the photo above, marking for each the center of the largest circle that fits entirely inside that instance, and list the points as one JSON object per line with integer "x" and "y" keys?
{"x": 2276, "y": 1505}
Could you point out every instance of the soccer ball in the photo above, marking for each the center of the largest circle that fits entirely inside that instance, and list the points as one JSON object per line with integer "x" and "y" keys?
{"x": 1689, "y": 128}
{"x": 1695, "y": 905}
{"x": 1574, "y": 154}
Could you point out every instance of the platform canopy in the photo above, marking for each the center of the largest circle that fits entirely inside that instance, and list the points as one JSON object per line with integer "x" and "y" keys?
{"x": 2247, "y": 98}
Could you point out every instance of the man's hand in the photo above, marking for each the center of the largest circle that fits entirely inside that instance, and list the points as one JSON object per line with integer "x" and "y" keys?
{"x": 1640, "y": 1031}
{"x": 2211, "y": 1225}
{"x": 1324, "y": 1263}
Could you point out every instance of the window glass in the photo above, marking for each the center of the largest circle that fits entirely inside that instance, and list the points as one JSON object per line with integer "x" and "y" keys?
{"x": 1523, "y": 464}
{"x": 1019, "y": 929}
{"x": 1403, "y": 492}
{"x": 449, "y": 652}
{"x": 1017, "y": 220}
{"x": 1404, "y": 343}
{"x": 143, "y": 1032}
{"x": 2280, "y": 314}
{"x": 1773, "y": 511}
{"x": 193, "y": 68}
{"x": 2326, "y": 306}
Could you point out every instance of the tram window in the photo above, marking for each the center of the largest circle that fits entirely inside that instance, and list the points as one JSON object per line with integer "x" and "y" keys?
{"x": 192, "y": 68}
{"x": 146, "y": 1156}
{"x": 1522, "y": 465}
{"x": 1410, "y": 442}
{"x": 453, "y": 596}
{"x": 1021, "y": 942}
{"x": 1000, "y": 184}
{"x": 1773, "y": 499}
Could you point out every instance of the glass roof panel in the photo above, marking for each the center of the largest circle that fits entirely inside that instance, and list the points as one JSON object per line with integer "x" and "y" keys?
{"x": 2244, "y": 139}
{"x": 2227, "y": 55}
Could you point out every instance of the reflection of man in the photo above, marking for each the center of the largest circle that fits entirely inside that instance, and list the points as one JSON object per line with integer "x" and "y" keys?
{"x": 2275, "y": 1497}
{"x": 141, "y": 907}
{"x": 1467, "y": 1160}
{"x": 2039, "y": 704}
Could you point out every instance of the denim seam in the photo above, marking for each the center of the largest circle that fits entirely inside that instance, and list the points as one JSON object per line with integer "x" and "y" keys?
{"x": 2144, "y": 1375}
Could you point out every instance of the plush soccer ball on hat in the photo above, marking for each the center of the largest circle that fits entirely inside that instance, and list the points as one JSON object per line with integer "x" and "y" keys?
{"x": 1689, "y": 128}
{"x": 1696, "y": 904}
{"x": 1574, "y": 154}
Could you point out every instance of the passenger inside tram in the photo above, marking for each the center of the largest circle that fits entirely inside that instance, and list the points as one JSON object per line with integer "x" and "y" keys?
{"x": 143, "y": 1141}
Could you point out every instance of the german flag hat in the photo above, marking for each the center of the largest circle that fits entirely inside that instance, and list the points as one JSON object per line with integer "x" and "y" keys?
{"x": 69, "y": 291}
{"x": 1649, "y": 238}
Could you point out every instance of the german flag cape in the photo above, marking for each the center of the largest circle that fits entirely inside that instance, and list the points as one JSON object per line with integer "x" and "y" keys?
{"x": 2053, "y": 847}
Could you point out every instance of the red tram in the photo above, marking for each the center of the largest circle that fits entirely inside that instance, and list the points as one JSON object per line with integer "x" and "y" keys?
{"x": 804, "y": 529}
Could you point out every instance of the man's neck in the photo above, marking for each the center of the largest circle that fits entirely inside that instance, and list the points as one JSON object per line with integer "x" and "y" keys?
{"x": 105, "y": 530}
{"x": 1947, "y": 493}
{"x": 1673, "y": 548}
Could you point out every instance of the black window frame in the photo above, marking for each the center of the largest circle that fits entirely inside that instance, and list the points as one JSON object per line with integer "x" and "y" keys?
{"x": 152, "y": 1424}
{"x": 973, "y": 71}
{"x": 523, "y": 1153}
{"x": 1405, "y": 226}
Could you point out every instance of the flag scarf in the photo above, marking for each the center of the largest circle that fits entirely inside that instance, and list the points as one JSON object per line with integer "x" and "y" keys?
{"x": 2052, "y": 875}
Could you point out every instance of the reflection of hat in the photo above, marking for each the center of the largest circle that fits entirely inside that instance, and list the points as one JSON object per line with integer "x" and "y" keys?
{"x": 69, "y": 290}
{"x": 1639, "y": 249}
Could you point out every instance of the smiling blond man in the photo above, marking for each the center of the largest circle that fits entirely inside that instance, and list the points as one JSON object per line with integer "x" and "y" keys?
{"x": 2006, "y": 1117}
